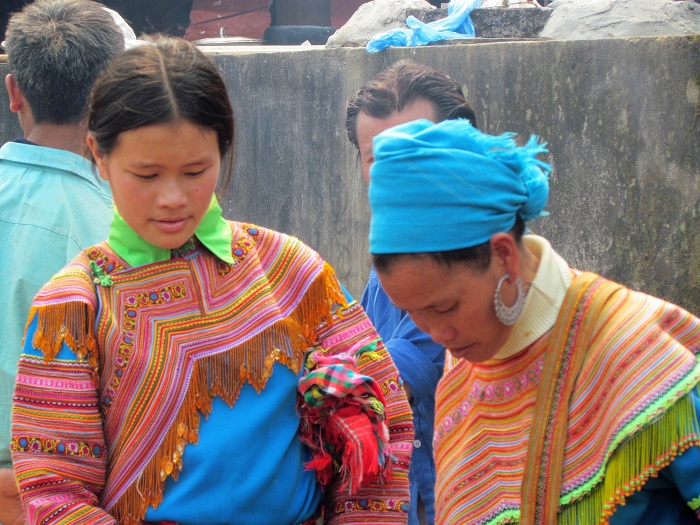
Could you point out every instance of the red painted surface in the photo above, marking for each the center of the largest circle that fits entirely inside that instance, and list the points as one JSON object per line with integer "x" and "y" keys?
{"x": 248, "y": 18}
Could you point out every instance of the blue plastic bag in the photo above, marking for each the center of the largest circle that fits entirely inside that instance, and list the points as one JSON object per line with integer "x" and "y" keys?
{"x": 457, "y": 24}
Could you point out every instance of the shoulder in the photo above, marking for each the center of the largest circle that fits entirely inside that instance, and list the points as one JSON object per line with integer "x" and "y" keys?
{"x": 80, "y": 203}
{"x": 639, "y": 344}
{"x": 630, "y": 316}
{"x": 73, "y": 283}
{"x": 271, "y": 247}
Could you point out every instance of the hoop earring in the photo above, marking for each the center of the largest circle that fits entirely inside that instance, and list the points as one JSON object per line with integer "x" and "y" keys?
{"x": 509, "y": 315}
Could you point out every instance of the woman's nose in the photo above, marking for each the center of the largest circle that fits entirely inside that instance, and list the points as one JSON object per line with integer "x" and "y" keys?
{"x": 442, "y": 332}
{"x": 445, "y": 335}
{"x": 171, "y": 195}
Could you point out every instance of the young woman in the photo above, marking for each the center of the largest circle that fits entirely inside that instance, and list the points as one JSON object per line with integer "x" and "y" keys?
{"x": 190, "y": 369}
{"x": 566, "y": 398}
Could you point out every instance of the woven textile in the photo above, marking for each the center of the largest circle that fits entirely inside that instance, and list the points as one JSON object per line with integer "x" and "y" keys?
{"x": 630, "y": 415}
{"x": 160, "y": 342}
{"x": 343, "y": 419}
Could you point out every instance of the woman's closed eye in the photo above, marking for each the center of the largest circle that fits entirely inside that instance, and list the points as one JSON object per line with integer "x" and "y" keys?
{"x": 145, "y": 176}
{"x": 446, "y": 310}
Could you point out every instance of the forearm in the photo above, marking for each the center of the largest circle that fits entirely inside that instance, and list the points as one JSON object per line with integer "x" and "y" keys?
{"x": 383, "y": 500}
{"x": 57, "y": 442}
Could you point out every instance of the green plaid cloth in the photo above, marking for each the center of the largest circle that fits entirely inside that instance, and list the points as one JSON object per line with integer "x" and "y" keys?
{"x": 342, "y": 420}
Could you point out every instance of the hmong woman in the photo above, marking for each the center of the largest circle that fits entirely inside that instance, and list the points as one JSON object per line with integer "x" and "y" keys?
{"x": 568, "y": 398}
{"x": 190, "y": 369}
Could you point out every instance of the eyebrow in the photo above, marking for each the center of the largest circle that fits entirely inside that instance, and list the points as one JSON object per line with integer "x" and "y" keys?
{"x": 148, "y": 165}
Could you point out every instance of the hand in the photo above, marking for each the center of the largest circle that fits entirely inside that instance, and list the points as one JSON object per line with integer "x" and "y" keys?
{"x": 11, "y": 512}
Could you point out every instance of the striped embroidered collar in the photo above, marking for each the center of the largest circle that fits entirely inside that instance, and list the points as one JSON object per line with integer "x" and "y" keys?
{"x": 214, "y": 232}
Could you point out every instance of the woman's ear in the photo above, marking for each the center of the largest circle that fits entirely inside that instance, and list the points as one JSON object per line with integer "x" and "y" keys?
{"x": 99, "y": 158}
{"x": 504, "y": 251}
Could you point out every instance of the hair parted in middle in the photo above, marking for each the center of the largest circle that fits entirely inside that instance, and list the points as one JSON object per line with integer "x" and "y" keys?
{"x": 164, "y": 81}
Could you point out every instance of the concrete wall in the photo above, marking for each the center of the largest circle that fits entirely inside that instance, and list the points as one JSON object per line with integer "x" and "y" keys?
{"x": 622, "y": 118}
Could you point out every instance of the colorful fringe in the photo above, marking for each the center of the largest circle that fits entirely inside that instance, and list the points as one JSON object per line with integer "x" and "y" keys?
{"x": 636, "y": 460}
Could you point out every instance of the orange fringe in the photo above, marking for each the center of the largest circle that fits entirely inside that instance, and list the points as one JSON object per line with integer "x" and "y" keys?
{"x": 70, "y": 323}
{"x": 216, "y": 376}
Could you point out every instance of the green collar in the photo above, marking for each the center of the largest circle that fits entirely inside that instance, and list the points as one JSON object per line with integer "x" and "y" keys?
{"x": 214, "y": 232}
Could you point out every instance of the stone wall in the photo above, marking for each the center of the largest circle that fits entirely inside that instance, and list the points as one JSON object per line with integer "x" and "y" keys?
{"x": 622, "y": 117}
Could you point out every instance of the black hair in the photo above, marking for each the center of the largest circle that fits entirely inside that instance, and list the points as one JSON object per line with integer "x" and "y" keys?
{"x": 167, "y": 80}
{"x": 55, "y": 50}
{"x": 477, "y": 257}
{"x": 401, "y": 84}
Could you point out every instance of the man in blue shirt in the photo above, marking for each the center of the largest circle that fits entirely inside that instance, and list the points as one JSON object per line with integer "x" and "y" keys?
{"x": 52, "y": 204}
{"x": 404, "y": 92}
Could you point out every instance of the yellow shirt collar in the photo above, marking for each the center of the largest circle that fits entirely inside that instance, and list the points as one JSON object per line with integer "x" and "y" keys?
{"x": 544, "y": 298}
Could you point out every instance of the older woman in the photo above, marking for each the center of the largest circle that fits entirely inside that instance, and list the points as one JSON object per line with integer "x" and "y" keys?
{"x": 568, "y": 398}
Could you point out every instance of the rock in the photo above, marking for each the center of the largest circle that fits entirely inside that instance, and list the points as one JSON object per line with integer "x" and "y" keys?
{"x": 374, "y": 18}
{"x": 589, "y": 19}
{"x": 500, "y": 23}
{"x": 431, "y": 16}
{"x": 510, "y": 23}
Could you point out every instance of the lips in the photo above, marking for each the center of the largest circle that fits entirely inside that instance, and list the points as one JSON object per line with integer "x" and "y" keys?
{"x": 173, "y": 225}
{"x": 461, "y": 352}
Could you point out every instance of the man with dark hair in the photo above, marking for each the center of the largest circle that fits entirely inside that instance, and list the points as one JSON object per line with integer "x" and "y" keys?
{"x": 52, "y": 205}
{"x": 401, "y": 93}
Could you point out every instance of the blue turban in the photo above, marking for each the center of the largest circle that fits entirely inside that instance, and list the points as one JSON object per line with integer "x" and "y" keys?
{"x": 446, "y": 186}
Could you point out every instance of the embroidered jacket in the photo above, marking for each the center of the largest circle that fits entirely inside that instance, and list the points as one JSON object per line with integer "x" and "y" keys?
{"x": 127, "y": 372}
{"x": 632, "y": 420}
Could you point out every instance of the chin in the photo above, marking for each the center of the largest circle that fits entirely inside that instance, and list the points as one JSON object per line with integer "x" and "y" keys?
{"x": 169, "y": 244}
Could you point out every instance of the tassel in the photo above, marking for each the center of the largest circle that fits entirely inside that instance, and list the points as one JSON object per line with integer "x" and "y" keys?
{"x": 636, "y": 460}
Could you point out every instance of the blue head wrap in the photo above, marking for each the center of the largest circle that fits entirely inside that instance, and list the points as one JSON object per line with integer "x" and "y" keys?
{"x": 446, "y": 186}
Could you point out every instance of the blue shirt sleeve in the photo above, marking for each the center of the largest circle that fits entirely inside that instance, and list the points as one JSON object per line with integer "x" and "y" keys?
{"x": 348, "y": 296}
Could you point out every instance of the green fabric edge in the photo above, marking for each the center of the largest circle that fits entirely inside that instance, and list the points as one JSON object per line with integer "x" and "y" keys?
{"x": 213, "y": 231}
{"x": 674, "y": 420}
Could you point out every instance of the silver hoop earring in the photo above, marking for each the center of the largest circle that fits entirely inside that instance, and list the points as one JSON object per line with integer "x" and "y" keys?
{"x": 509, "y": 315}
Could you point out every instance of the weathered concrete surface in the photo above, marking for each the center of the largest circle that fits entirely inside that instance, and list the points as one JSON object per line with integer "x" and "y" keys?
{"x": 588, "y": 19}
{"x": 622, "y": 118}
{"x": 9, "y": 125}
